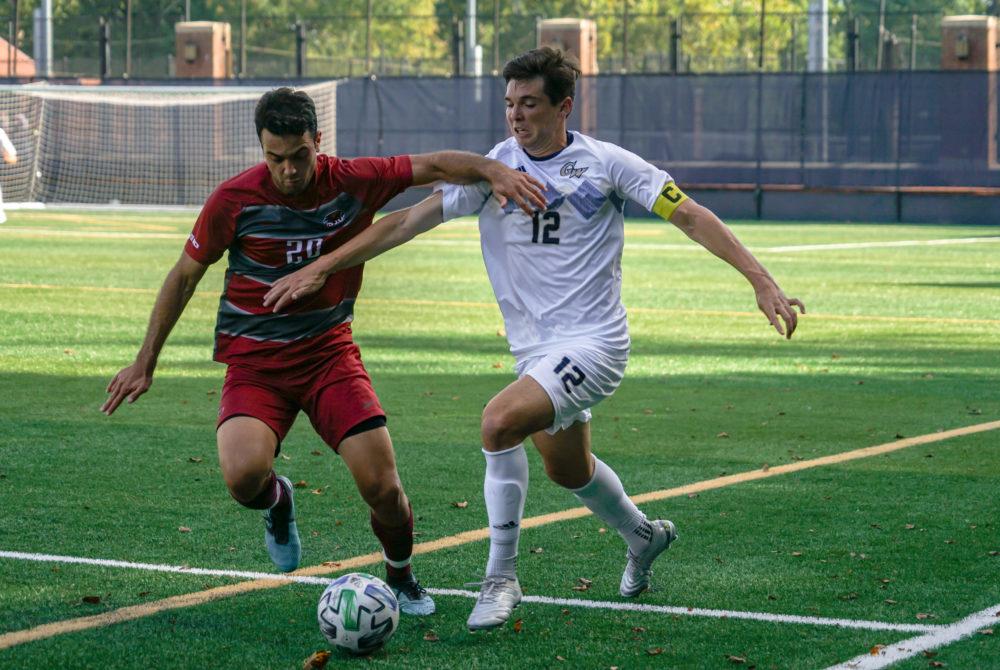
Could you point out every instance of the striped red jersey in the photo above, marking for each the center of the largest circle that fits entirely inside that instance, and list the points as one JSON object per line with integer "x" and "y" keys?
{"x": 269, "y": 235}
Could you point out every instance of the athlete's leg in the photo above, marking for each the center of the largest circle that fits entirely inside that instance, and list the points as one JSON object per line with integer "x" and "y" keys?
{"x": 570, "y": 463}
{"x": 246, "y": 457}
{"x": 517, "y": 411}
{"x": 372, "y": 462}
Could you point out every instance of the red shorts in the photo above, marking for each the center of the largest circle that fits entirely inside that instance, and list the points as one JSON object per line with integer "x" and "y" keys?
{"x": 334, "y": 392}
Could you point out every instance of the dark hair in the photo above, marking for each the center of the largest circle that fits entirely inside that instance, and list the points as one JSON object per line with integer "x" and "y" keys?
{"x": 559, "y": 70}
{"x": 285, "y": 111}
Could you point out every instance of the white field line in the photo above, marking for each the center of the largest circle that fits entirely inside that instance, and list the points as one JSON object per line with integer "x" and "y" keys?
{"x": 941, "y": 636}
{"x": 543, "y": 600}
{"x": 652, "y": 246}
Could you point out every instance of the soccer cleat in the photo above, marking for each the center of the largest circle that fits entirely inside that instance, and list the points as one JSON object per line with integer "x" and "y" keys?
{"x": 281, "y": 535}
{"x": 413, "y": 599}
{"x": 639, "y": 570}
{"x": 498, "y": 596}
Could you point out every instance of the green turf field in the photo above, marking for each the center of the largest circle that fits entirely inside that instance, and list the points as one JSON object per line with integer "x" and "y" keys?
{"x": 901, "y": 341}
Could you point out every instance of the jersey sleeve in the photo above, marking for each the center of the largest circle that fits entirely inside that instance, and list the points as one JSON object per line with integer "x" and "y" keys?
{"x": 462, "y": 199}
{"x": 215, "y": 229}
{"x": 377, "y": 180}
{"x": 643, "y": 183}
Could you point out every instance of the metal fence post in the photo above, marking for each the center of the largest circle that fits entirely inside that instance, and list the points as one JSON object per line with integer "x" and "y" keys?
{"x": 300, "y": 49}
{"x": 104, "y": 48}
{"x": 852, "y": 51}
{"x": 675, "y": 46}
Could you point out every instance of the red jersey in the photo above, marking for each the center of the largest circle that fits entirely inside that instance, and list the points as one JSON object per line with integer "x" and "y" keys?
{"x": 269, "y": 235}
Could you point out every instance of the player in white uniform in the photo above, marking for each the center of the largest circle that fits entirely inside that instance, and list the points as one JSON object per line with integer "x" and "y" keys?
{"x": 557, "y": 279}
{"x": 9, "y": 154}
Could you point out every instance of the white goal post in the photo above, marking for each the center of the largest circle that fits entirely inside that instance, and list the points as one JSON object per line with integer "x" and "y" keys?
{"x": 134, "y": 145}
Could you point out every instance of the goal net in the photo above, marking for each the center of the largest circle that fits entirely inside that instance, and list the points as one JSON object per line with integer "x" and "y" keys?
{"x": 135, "y": 145}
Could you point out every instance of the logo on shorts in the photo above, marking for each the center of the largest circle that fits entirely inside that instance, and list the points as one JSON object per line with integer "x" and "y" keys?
{"x": 569, "y": 169}
{"x": 335, "y": 219}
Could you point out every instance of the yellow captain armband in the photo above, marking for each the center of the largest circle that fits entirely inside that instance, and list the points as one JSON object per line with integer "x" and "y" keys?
{"x": 668, "y": 201}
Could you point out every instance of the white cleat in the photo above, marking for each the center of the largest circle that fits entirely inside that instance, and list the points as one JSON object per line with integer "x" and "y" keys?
{"x": 639, "y": 569}
{"x": 498, "y": 596}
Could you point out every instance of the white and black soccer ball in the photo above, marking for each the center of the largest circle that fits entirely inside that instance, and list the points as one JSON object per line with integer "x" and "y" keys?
{"x": 358, "y": 613}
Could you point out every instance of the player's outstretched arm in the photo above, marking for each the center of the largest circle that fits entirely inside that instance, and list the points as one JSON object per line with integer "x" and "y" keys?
{"x": 704, "y": 227}
{"x": 388, "y": 232}
{"x": 134, "y": 380}
{"x": 461, "y": 167}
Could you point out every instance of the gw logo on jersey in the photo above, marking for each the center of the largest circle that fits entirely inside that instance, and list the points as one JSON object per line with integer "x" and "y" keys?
{"x": 569, "y": 169}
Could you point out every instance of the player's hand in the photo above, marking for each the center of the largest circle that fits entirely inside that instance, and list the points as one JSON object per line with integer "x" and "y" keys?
{"x": 301, "y": 283}
{"x": 129, "y": 383}
{"x": 509, "y": 184}
{"x": 777, "y": 308}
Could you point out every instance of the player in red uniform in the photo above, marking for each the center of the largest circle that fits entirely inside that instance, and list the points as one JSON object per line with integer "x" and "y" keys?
{"x": 275, "y": 218}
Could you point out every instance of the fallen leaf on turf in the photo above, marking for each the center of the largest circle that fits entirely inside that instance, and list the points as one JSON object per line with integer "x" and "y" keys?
{"x": 318, "y": 492}
{"x": 301, "y": 484}
{"x": 930, "y": 654}
{"x": 184, "y": 529}
{"x": 92, "y": 600}
{"x": 331, "y": 564}
{"x": 995, "y": 553}
{"x": 536, "y": 550}
{"x": 497, "y": 366}
{"x": 692, "y": 495}
{"x": 431, "y": 636}
{"x": 316, "y": 660}
{"x": 723, "y": 434}
{"x": 195, "y": 459}
{"x": 565, "y": 611}
{"x": 654, "y": 651}
{"x": 737, "y": 660}
{"x": 765, "y": 467}
{"x": 937, "y": 664}
{"x": 460, "y": 504}
{"x": 560, "y": 658}
{"x": 886, "y": 581}
{"x": 890, "y": 601}
{"x": 518, "y": 625}
{"x": 876, "y": 650}
{"x": 316, "y": 452}
{"x": 771, "y": 596}
{"x": 638, "y": 629}
{"x": 985, "y": 631}
{"x": 924, "y": 615}
{"x": 910, "y": 526}
{"x": 796, "y": 553}
{"x": 286, "y": 457}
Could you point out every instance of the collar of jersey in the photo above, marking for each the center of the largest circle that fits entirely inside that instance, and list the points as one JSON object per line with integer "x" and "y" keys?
{"x": 569, "y": 141}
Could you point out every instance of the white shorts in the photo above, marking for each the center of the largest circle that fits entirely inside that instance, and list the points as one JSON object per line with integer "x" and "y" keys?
{"x": 575, "y": 379}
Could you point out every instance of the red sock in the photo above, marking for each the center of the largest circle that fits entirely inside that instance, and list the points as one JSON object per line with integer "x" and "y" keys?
{"x": 397, "y": 544}
{"x": 268, "y": 497}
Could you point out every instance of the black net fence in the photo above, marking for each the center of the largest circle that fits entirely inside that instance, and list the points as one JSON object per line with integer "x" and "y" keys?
{"x": 838, "y": 131}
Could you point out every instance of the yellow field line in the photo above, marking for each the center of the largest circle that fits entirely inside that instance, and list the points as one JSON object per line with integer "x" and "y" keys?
{"x": 491, "y": 305}
{"x": 201, "y": 597}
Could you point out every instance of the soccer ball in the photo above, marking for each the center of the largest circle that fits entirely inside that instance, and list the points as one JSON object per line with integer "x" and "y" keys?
{"x": 358, "y": 613}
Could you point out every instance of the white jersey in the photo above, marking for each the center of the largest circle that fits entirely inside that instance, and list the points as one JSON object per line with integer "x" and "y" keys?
{"x": 557, "y": 276}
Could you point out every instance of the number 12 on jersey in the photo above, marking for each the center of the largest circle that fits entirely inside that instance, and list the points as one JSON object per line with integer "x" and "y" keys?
{"x": 547, "y": 229}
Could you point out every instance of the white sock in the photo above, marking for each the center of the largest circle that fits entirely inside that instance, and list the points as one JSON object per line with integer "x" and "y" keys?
{"x": 504, "y": 489}
{"x": 605, "y": 497}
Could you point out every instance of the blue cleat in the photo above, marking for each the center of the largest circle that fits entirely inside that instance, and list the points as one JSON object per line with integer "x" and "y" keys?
{"x": 281, "y": 535}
